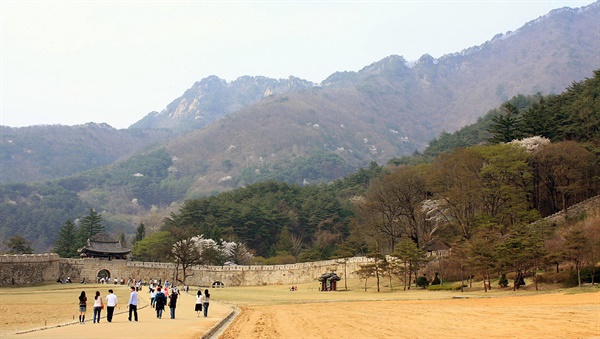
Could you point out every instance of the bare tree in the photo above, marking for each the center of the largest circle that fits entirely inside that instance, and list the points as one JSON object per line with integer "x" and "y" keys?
{"x": 184, "y": 250}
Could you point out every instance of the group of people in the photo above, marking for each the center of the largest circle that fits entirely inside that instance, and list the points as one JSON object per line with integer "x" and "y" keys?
{"x": 159, "y": 298}
{"x": 111, "y": 303}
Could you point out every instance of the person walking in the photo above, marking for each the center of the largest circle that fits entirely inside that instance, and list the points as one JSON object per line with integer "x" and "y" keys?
{"x": 111, "y": 303}
{"x": 173, "y": 302}
{"x": 152, "y": 296}
{"x": 133, "y": 302}
{"x": 82, "y": 307}
{"x": 98, "y": 305}
{"x": 206, "y": 302}
{"x": 159, "y": 302}
{"x": 198, "y": 307}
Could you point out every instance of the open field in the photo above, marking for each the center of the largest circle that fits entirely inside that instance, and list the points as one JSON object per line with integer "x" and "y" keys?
{"x": 276, "y": 312}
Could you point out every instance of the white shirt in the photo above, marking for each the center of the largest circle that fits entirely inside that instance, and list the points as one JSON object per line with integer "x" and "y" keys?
{"x": 133, "y": 298}
{"x": 111, "y": 300}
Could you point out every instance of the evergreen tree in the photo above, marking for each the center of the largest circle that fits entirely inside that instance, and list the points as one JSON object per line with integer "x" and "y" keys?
{"x": 537, "y": 121}
{"x": 18, "y": 245}
{"x": 66, "y": 243}
{"x": 140, "y": 233}
{"x": 575, "y": 248}
{"x": 504, "y": 127}
{"x": 89, "y": 226}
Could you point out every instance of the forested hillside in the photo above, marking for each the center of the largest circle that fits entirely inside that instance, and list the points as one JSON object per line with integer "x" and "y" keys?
{"x": 39, "y": 153}
{"x": 481, "y": 199}
{"x": 560, "y": 173}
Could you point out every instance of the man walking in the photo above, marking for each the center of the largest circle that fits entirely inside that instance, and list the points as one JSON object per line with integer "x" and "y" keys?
{"x": 133, "y": 301}
{"x": 111, "y": 302}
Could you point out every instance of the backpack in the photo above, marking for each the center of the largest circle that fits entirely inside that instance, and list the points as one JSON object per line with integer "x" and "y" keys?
{"x": 161, "y": 298}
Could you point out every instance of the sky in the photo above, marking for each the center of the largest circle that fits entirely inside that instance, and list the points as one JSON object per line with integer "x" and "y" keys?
{"x": 74, "y": 62}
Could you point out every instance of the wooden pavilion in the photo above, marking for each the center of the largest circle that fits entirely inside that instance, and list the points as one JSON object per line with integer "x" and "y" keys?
{"x": 329, "y": 281}
{"x": 103, "y": 245}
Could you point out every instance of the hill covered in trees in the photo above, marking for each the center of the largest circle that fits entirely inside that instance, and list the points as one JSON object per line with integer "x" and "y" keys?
{"x": 558, "y": 175}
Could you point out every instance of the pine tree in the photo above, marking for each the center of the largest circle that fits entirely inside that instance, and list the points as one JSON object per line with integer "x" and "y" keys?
{"x": 576, "y": 247}
{"x": 18, "y": 245}
{"x": 504, "y": 127}
{"x": 66, "y": 243}
{"x": 140, "y": 233}
{"x": 89, "y": 226}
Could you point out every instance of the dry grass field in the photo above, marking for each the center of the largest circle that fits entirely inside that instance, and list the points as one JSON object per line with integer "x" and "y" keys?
{"x": 276, "y": 312}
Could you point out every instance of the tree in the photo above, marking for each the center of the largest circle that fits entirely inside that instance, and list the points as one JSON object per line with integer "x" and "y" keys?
{"x": 18, "y": 245}
{"x": 140, "y": 233}
{"x": 575, "y": 249}
{"x": 458, "y": 192}
{"x": 237, "y": 253}
{"x": 504, "y": 127}
{"x": 365, "y": 271}
{"x": 522, "y": 250}
{"x": 483, "y": 254}
{"x": 66, "y": 243}
{"x": 155, "y": 247}
{"x": 536, "y": 121}
{"x": 459, "y": 255}
{"x": 123, "y": 239}
{"x": 409, "y": 259}
{"x": 184, "y": 250}
{"x": 566, "y": 171}
{"x": 89, "y": 226}
{"x": 380, "y": 266}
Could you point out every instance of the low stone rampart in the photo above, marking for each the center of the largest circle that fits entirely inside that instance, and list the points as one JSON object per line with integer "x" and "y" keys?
{"x": 28, "y": 268}
{"x": 252, "y": 275}
{"x": 587, "y": 207}
{"x": 37, "y": 268}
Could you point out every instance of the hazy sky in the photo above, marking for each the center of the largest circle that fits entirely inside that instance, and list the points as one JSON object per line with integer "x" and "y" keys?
{"x": 72, "y": 62}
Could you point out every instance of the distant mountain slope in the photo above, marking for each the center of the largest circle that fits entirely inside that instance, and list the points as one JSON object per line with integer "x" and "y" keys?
{"x": 212, "y": 98}
{"x": 388, "y": 109}
{"x": 40, "y": 153}
{"x": 391, "y": 108}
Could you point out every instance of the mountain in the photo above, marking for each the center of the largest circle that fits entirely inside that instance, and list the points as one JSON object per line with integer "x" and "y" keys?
{"x": 38, "y": 153}
{"x": 389, "y": 108}
{"x": 212, "y": 98}
{"x": 287, "y": 130}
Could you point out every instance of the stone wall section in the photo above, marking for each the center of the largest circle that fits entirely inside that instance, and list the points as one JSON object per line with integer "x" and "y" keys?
{"x": 28, "y": 268}
{"x": 587, "y": 207}
{"x": 38, "y": 268}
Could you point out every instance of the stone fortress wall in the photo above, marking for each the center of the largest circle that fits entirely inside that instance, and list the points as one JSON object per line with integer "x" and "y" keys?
{"x": 29, "y": 269}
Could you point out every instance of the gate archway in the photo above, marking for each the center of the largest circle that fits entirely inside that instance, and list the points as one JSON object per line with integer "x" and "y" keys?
{"x": 103, "y": 274}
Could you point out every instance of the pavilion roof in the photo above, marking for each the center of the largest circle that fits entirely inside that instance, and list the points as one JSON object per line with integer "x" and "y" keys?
{"x": 104, "y": 243}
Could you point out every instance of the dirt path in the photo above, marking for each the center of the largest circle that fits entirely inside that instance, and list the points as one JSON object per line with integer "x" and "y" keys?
{"x": 539, "y": 316}
{"x": 185, "y": 325}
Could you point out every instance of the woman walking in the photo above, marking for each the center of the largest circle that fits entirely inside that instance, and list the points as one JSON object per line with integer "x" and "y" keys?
{"x": 98, "y": 305}
{"x": 206, "y": 302}
{"x": 198, "y": 307}
{"x": 82, "y": 307}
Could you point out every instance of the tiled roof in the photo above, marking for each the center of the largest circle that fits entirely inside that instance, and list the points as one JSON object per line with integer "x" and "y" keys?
{"x": 104, "y": 243}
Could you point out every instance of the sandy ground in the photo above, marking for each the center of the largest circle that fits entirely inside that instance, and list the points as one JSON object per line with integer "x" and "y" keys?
{"x": 539, "y": 316}
{"x": 274, "y": 312}
{"x": 185, "y": 325}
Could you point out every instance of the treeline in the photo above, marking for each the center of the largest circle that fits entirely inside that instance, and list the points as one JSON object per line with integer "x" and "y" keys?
{"x": 572, "y": 115}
